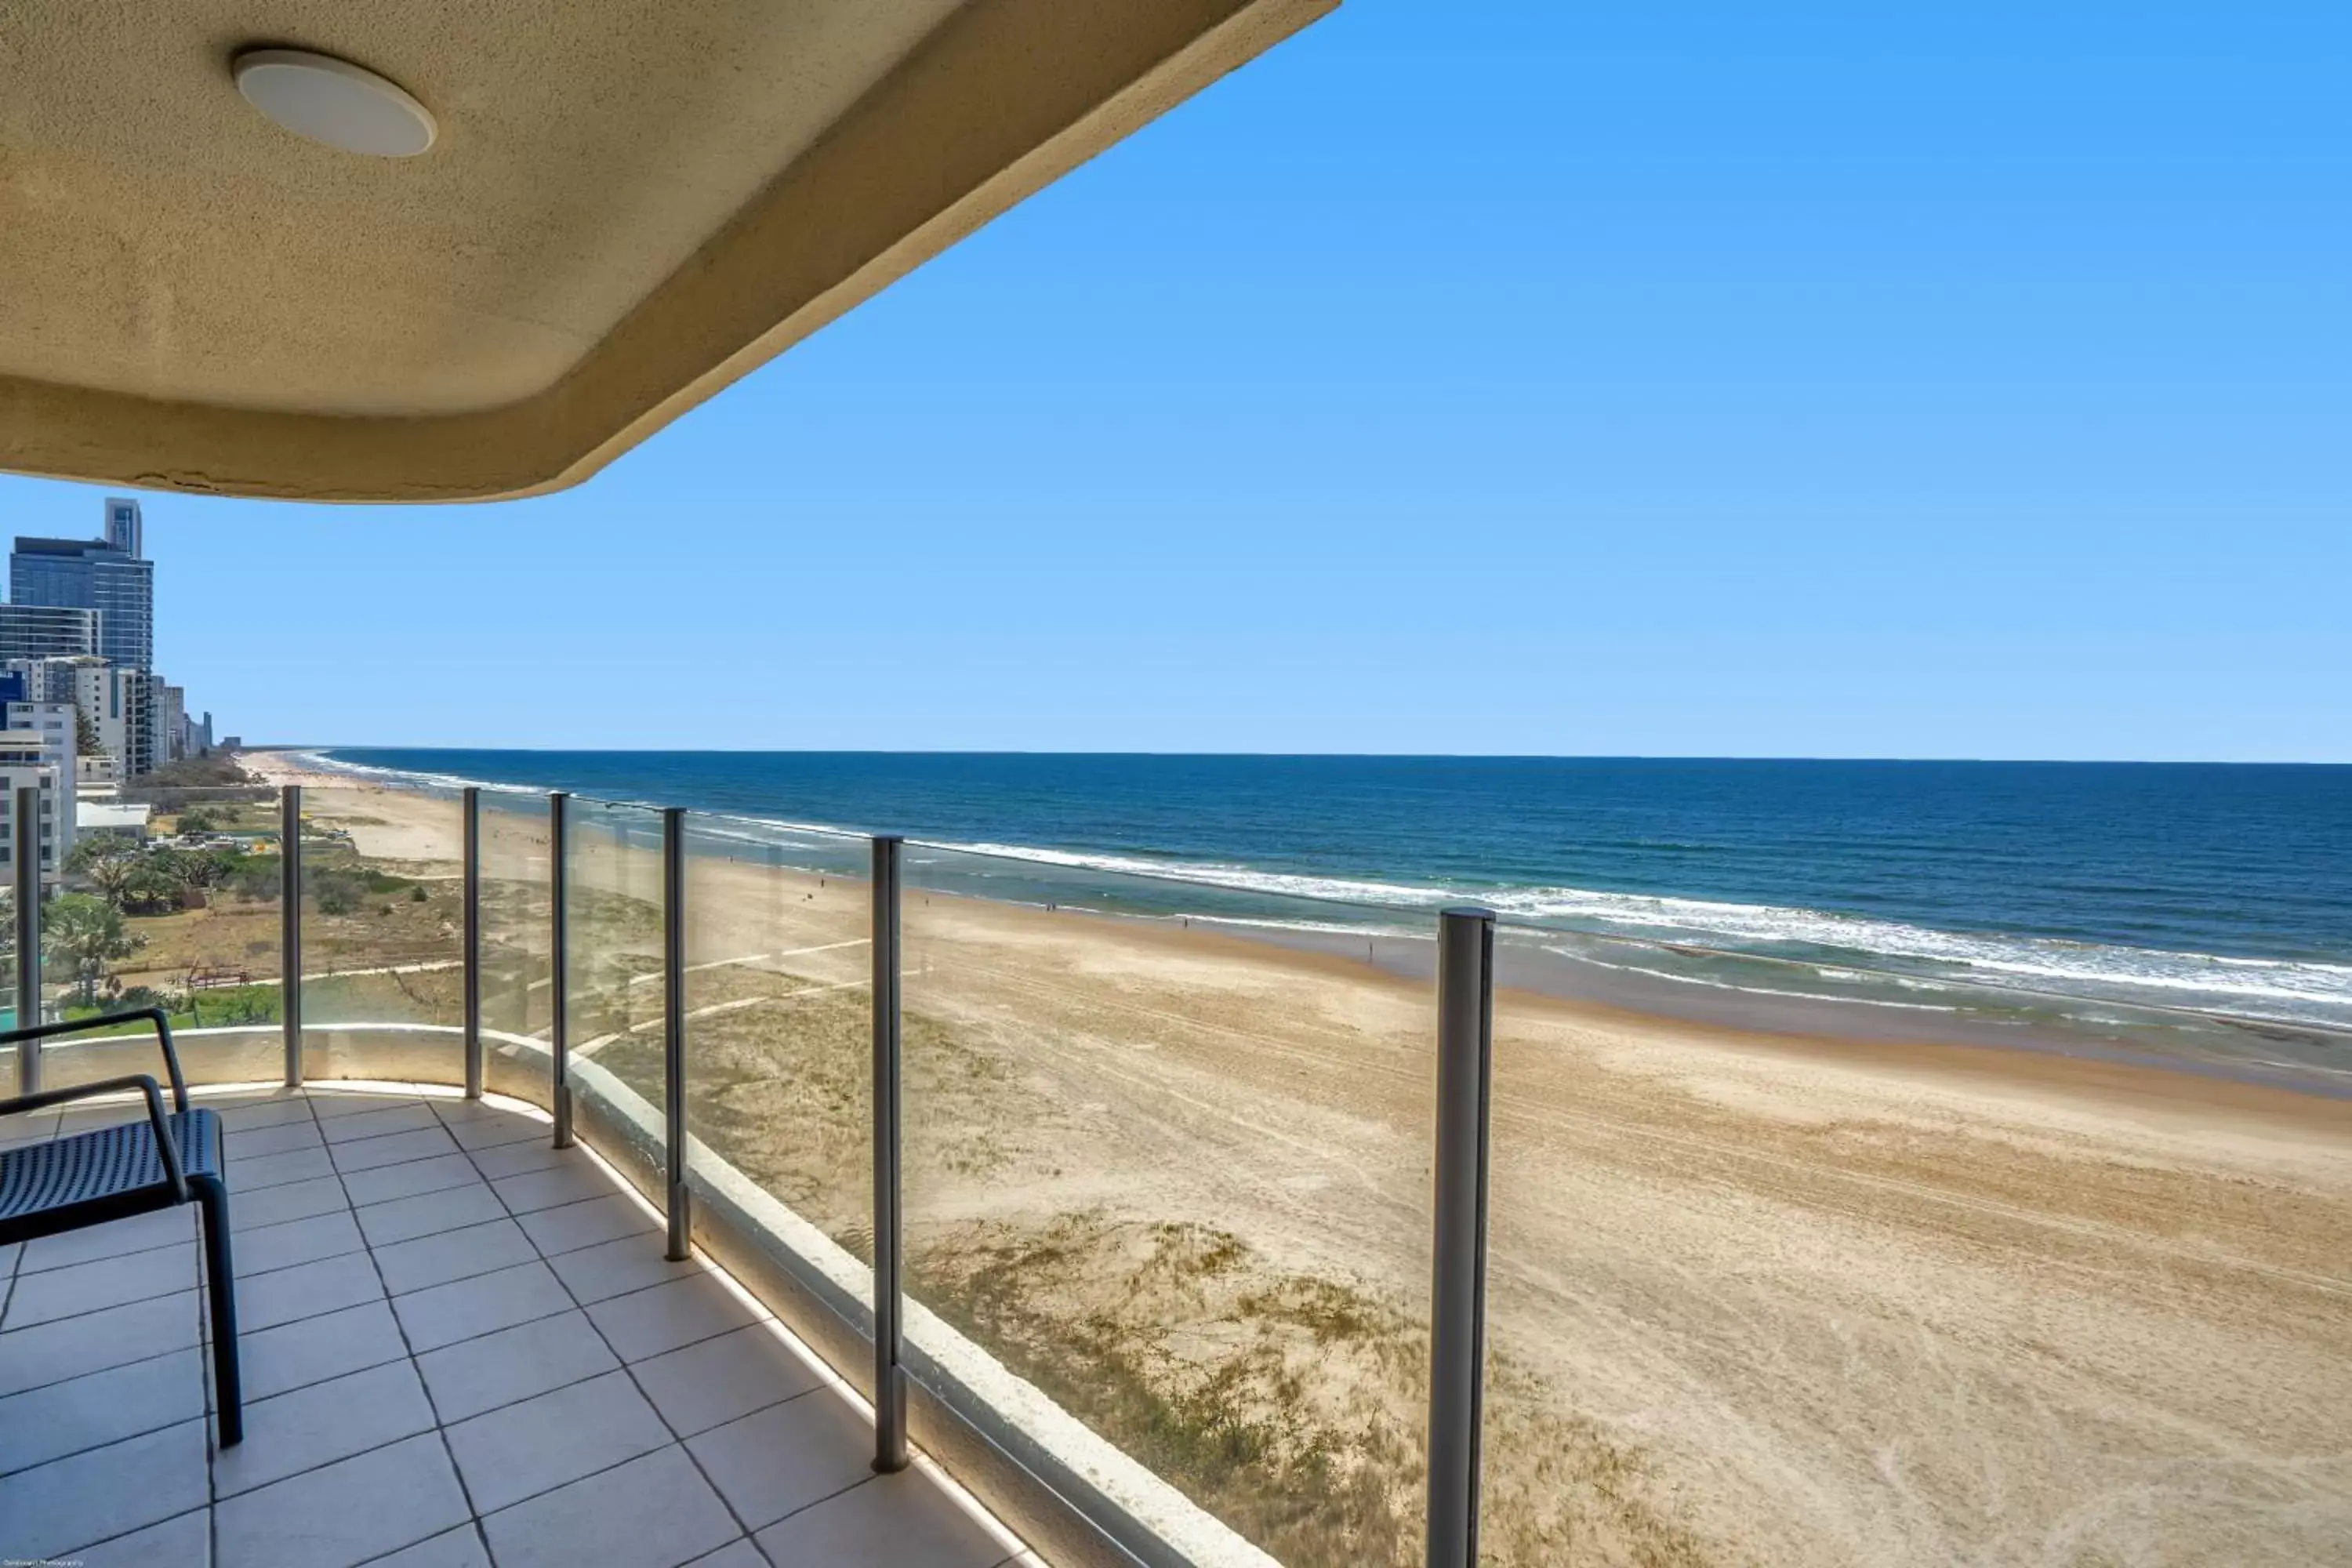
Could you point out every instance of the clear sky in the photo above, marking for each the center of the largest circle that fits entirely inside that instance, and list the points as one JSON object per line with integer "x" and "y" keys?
{"x": 1804, "y": 379}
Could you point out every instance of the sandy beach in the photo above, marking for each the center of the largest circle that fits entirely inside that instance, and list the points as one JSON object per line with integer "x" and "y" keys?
{"x": 1756, "y": 1297}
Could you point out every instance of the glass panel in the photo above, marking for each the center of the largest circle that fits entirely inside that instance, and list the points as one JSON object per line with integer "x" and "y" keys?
{"x": 1808, "y": 1263}
{"x": 382, "y": 933}
{"x": 614, "y": 888}
{"x": 780, "y": 1032}
{"x": 1167, "y": 1158}
{"x": 169, "y": 897}
{"x": 518, "y": 936}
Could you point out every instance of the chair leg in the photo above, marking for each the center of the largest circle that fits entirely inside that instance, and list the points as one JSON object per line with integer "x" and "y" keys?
{"x": 220, "y": 1278}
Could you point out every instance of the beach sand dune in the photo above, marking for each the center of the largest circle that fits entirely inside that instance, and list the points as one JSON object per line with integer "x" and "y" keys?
{"x": 1755, "y": 1299}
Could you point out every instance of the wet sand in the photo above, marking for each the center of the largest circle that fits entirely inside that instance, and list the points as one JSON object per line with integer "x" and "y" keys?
{"x": 1756, "y": 1296}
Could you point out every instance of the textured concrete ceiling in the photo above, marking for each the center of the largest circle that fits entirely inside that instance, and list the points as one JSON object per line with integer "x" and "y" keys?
{"x": 629, "y": 206}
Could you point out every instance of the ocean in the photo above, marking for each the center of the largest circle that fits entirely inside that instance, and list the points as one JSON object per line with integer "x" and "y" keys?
{"x": 2191, "y": 909}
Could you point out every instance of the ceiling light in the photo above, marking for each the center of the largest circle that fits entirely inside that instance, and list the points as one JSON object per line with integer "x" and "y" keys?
{"x": 334, "y": 102}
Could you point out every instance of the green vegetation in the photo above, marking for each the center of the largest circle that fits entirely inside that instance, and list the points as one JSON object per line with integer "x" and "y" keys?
{"x": 85, "y": 937}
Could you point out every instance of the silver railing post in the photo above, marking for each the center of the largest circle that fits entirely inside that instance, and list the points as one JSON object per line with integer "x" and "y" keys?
{"x": 473, "y": 851}
{"x": 889, "y": 1380}
{"x": 1457, "y": 1318}
{"x": 559, "y": 978}
{"x": 681, "y": 1220}
{"x": 27, "y": 877}
{"x": 289, "y": 934}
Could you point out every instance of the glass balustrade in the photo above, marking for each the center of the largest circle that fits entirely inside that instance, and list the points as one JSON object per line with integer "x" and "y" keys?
{"x": 779, "y": 1046}
{"x": 1171, "y": 1174}
{"x": 382, "y": 930}
{"x": 614, "y": 991}
{"x": 177, "y": 909}
{"x": 518, "y": 993}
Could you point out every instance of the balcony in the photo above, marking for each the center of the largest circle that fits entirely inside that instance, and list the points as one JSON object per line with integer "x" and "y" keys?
{"x": 461, "y": 1345}
{"x": 1150, "y": 1241}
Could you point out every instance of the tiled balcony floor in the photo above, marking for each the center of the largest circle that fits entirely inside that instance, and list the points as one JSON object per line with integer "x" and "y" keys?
{"x": 460, "y": 1347}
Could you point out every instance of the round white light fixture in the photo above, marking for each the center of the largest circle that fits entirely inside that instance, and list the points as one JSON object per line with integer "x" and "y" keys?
{"x": 334, "y": 102}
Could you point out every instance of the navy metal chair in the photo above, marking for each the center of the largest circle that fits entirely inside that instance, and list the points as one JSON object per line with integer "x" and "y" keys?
{"x": 112, "y": 1172}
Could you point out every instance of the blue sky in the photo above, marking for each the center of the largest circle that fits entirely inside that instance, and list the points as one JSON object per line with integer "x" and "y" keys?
{"x": 1716, "y": 379}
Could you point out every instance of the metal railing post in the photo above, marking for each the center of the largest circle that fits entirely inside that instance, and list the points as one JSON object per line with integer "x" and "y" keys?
{"x": 559, "y": 978}
{"x": 681, "y": 1219}
{"x": 289, "y": 938}
{"x": 1457, "y": 1318}
{"x": 889, "y": 1380}
{"x": 27, "y": 878}
{"x": 473, "y": 851}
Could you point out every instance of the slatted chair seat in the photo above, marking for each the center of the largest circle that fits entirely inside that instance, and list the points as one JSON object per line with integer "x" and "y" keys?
{"x": 167, "y": 1159}
{"x": 88, "y": 1178}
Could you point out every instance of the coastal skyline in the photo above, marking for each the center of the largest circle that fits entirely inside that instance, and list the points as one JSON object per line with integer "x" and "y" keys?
{"x": 1855, "y": 385}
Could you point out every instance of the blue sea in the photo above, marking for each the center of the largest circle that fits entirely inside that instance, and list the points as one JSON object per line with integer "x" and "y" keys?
{"x": 2091, "y": 895}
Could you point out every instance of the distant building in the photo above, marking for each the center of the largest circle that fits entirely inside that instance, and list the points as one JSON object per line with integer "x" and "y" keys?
{"x": 54, "y": 723}
{"x": 167, "y": 722}
{"x": 47, "y": 631}
{"x": 123, "y": 820}
{"x": 124, "y": 531}
{"x": 21, "y": 766}
{"x": 108, "y": 576}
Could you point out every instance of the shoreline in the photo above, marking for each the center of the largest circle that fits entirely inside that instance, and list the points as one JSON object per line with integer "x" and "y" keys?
{"x": 1820, "y": 1025}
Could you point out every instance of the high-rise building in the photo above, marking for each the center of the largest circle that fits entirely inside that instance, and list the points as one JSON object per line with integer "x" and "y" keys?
{"x": 91, "y": 574}
{"x": 125, "y": 532}
{"x": 21, "y": 765}
{"x": 47, "y": 631}
{"x": 54, "y": 723}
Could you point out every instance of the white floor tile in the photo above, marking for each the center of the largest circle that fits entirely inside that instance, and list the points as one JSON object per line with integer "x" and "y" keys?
{"x": 98, "y": 1408}
{"x": 448, "y": 1255}
{"x": 786, "y": 1457}
{"x": 734, "y": 1554}
{"x": 652, "y": 1512}
{"x": 325, "y": 1422}
{"x": 252, "y": 1142}
{"x": 185, "y": 1541}
{"x": 718, "y": 1380}
{"x": 521, "y": 1363}
{"x": 648, "y": 1322}
{"x": 389, "y": 1181}
{"x": 397, "y": 1149}
{"x": 276, "y": 1246}
{"x": 95, "y": 1340}
{"x": 544, "y": 1443}
{"x": 451, "y": 1208}
{"x": 903, "y": 1520}
{"x": 495, "y": 1129}
{"x": 116, "y": 1238}
{"x": 266, "y": 1300}
{"x": 615, "y": 1267}
{"x": 513, "y": 1159}
{"x": 458, "y": 1548}
{"x": 571, "y": 1227}
{"x": 72, "y": 1502}
{"x": 275, "y": 1206}
{"x": 346, "y": 1512}
{"x": 446, "y": 1314}
{"x": 378, "y": 1123}
{"x": 276, "y": 1170}
{"x": 93, "y": 1286}
{"x": 314, "y": 1349}
{"x": 546, "y": 1189}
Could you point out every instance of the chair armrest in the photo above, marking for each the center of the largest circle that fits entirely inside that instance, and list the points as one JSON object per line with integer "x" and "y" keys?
{"x": 166, "y": 1146}
{"x": 154, "y": 1016}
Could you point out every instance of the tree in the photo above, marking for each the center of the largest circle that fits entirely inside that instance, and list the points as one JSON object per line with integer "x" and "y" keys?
{"x": 85, "y": 937}
{"x": 111, "y": 875}
{"x": 86, "y": 737}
